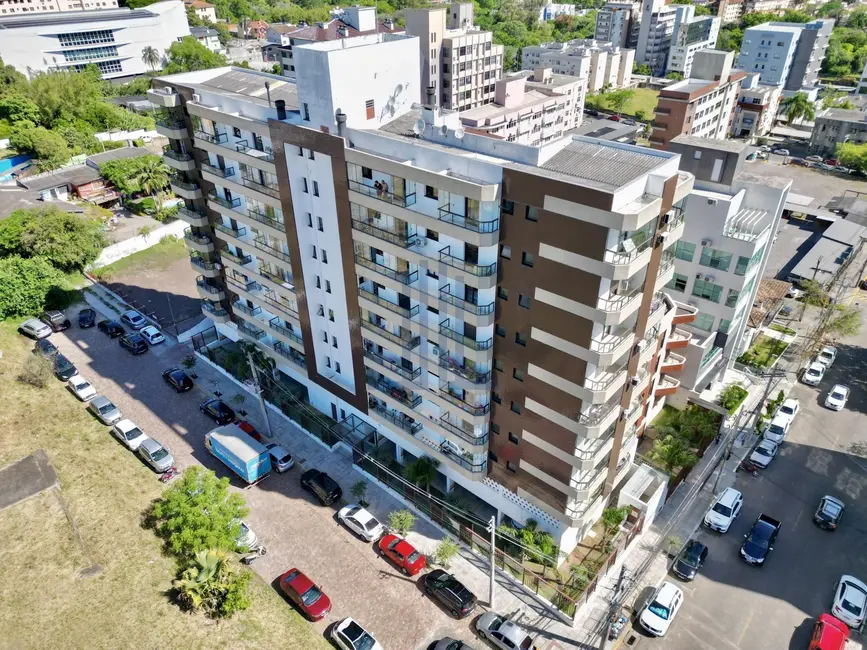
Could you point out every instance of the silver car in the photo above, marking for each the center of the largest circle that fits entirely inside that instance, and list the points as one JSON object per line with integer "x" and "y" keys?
{"x": 503, "y": 633}
{"x": 35, "y": 328}
{"x": 361, "y": 522}
{"x": 155, "y": 455}
{"x": 104, "y": 409}
{"x": 134, "y": 319}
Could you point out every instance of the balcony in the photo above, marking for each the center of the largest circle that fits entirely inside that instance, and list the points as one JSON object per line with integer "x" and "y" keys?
{"x": 240, "y": 260}
{"x": 275, "y": 325}
{"x": 396, "y": 393}
{"x": 201, "y": 243}
{"x": 207, "y": 290}
{"x": 164, "y": 97}
{"x": 609, "y": 343}
{"x": 667, "y": 262}
{"x": 253, "y": 312}
{"x": 265, "y": 153}
{"x": 234, "y": 204}
{"x": 279, "y": 279}
{"x": 250, "y": 331}
{"x": 666, "y": 386}
{"x": 392, "y": 417}
{"x": 234, "y": 235}
{"x": 672, "y": 362}
{"x": 395, "y": 237}
{"x": 466, "y": 341}
{"x": 406, "y": 373}
{"x": 466, "y": 462}
{"x": 213, "y": 138}
{"x": 470, "y": 307}
{"x": 290, "y": 354}
{"x": 458, "y": 401}
{"x": 193, "y": 217}
{"x": 469, "y": 223}
{"x": 215, "y": 312}
{"x": 627, "y": 258}
{"x": 216, "y": 174}
{"x": 403, "y": 278}
{"x": 240, "y": 285}
{"x": 207, "y": 268}
{"x": 685, "y": 314}
{"x": 387, "y": 197}
{"x": 260, "y": 243}
{"x": 460, "y": 432}
{"x": 279, "y": 304}
{"x": 471, "y": 374}
{"x": 678, "y": 339}
{"x": 186, "y": 189}
{"x": 270, "y": 221}
{"x": 405, "y": 339}
{"x": 172, "y": 128}
{"x": 466, "y": 267}
{"x": 178, "y": 160}
{"x": 390, "y": 306}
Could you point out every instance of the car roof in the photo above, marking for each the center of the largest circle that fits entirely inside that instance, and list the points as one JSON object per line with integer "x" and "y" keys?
{"x": 150, "y": 329}
{"x": 513, "y": 631}
{"x": 817, "y": 366}
{"x": 728, "y": 496}
{"x": 829, "y": 348}
{"x": 842, "y": 387}
{"x": 131, "y": 312}
{"x": 791, "y": 401}
{"x": 666, "y": 593}
{"x": 276, "y": 450}
{"x": 831, "y": 499}
{"x": 857, "y": 595}
{"x": 151, "y": 445}
{"x": 767, "y": 443}
{"x": 781, "y": 419}
{"x": 33, "y": 322}
{"x": 362, "y": 516}
{"x": 300, "y": 583}
{"x": 100, "y": 400}
{"x": 125, "y": 425}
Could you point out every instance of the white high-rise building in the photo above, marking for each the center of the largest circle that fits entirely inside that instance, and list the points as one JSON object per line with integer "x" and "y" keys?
{"x": 601, "y": 64}
{"x": 11, "y": 7}
{"x": 690, "y": 34}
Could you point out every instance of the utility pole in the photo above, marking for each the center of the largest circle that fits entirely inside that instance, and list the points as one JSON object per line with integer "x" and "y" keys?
{"x": 258, "y": 388}
{"x": 492, "y": 527}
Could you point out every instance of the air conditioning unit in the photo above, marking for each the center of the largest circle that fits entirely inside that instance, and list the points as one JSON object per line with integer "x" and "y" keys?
{"x": 197, "y": 98}
{"x": 709, "y": 278}
{"x": 666, "y": 218}
{"x": 436, "y": 351}
{"x": 639, "y": 347}
{"x": 711, "y": 201}
{"x": 662, "y": 237}
{"x": 634, "y": 379}
{"x": 622, "y": 286}
{"x": 698, "y": 276}
{"x": 623, "y": 413}
{"x": 706, "y": 242}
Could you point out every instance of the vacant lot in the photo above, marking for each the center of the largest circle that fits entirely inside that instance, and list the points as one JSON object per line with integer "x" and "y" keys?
{"x": 47, "y": 602}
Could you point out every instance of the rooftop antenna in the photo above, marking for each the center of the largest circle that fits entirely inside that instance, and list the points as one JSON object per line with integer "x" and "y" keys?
{"x": 268, "y": 91}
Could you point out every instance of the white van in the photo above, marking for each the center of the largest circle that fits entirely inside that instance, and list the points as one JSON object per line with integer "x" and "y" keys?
{"x": 778, "y": 428}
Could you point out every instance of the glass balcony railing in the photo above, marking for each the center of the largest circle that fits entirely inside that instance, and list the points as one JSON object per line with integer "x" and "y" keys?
{"x": 412, "y": 375}
{"x": 609, "y": 342}
{"x": 250, "y": 286}
{"x": 464, "y": 340}
{"x": 204, "y": 264}
{"x": 289, "y": 353}
{"x": 466, "y": 267}
{"x": 471, "y": 307}
{"x": 226, "y": 203}
{"x": 171, "y": 123}
{"x": 260, "y": 243}
{"x": 398, "y": 419}
{"x": 271, "y": 190}
{"x": 215, "y": 138}
{"x": 222, "y": 172}
{"x": 206, "y": 286}
{"x": 403, "y": 278}
{"x": 180, "y": 156}
{"x": 397, "y": 309}
{"x": 201, "y": 240}
{"x": 264, "y": 154}
{"x": 237, "y": 232}
{"x": 283, "y": 279}
{"x": 461, "y": 433}
{"x": 614, "y": 303}
{"x": 461, "y": 404}
{"x": 246, "y": 309}
{"x": 268, "y": 220}
{"x": 395, "y": 392}
{"x": 189, "y": 186}
{"x": 405, "y": 340}
{"x": 275, "y": 325}
{"x": 253, "y": 332}
{"x": 192, "y": 214}
{"x": 464, "y": 371}
{"x": 395, "y": 237}
{"x": 214, "y": 308}
{"x": 388, "y": 197}
{"x": 281, "y": 304}
{"x": 469, "y": 223}
{"x": 467, "y": 462}
{"x": 237, "y": 259}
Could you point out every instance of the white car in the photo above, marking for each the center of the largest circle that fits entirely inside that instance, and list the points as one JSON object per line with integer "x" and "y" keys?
{"x": 134, "y": 319}
{"x": 724, "y": 510}
{"x": 657, "y": 615}
{"x": 788, "y": 409}
{"x": 281, "y": 460}
{"x": 836, "y": 399}
{"x": 34, "y": 328}
{"x": 850, "y": 601}
{"x": 794, "y": 293}
{"x": 827, "y": 356}
{"x": 152, "y": 335}
{"x": 777, "y": 429}
{"x": 361, "y": 522}
{"x": 246, "y": 537}
{"x": 349, "y": 635}
{"x": 813, "y": 374}
{"x": 764, "y": 453}
{"x": 503, "y": 633}
{"x": 781, "y": 152}
{"x": 129, "y": 434}
{"x": 81, "y": 388}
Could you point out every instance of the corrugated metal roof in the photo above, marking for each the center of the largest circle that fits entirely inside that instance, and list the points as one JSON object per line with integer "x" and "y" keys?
{"x": 253, "y": 85}
{"x": 605, "y": 165}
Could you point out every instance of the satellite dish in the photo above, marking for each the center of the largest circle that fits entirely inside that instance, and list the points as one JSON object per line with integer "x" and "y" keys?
{"x": 459, "y": 133}
{"x": 398, "y": 89}
{"x": 392, "y": 110}
{"x": 444, "y": 130}
{"x": 390, "y": 102}
{"x": 418, "y": 127}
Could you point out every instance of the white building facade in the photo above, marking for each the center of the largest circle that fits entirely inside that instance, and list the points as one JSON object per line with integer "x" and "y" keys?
{"x": 601, "y": 64}
{"x": 691, "y": 34}
{"x": 10, "y": 7}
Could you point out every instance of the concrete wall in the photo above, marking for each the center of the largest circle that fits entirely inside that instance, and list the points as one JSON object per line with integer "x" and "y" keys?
{"x": 138, "y": 243}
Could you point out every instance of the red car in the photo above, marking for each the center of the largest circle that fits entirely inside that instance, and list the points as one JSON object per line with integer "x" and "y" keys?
{"x": 250, "y": 430}
{"x": 829, "y": 634}
{"x": 614, "y": 118}
{"x": 403, "y": 554}
{"x": 306, "y": 595}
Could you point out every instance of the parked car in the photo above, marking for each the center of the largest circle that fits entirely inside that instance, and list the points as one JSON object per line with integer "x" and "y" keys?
{"x": 451, "y": 644}
{"x": 349, "y": 635}
{"x": 614, "y": 118}
{"x": 814, "y": 158}
{"x": 155, "y": 455}
{"x": 781, "y": 152}
{"x": 56, "y": 320}
{"x": 813, "y": 374}
{"x": 827, "y": 356}
{"x": 81, "y": 388}
{"x": 764, "y": 148}
{"x": 250, "y": 430}
{"x": 217, "y": 410}
{"x": 829, "y": 513}
{"x": 44, "y": 348}
{"x": 657, "y": 615}
{"x": 850, "y": 601}
{"x": 829, "y": 634}
{"x": 777, "y": 429}
{"x": 134, "y": 344}
{"x": 129, "y": 434}
{"x": 104, "y": 410}
{"x": 759, "y": 542}
{"x": 34, "y": 328}
{"x": 503, "y": 633}
{"x": 64, "y": 368}
{"x": 764, "y": 453}
{"x": 592, "y": 112}
{"x": 724, "y": 510}
{"x": 281, "y": 460}
{"x": 361, "y": 522}
{"x": 134, "y": 319}
{"x": 111, "y": 327}
{"x": 836, "y": 399}
{"x": 152, "y": 335}
{"x": 789, "y": 409}
{"x": 460, "y": 601}
{"x": 322, "y": 486}
{"x": 690, "y": 560}
{"x": 86, "y": 318}
{"x": 302, "y": 591}
{"x": 402, "y": 554}
{"x": 178, "y": 379}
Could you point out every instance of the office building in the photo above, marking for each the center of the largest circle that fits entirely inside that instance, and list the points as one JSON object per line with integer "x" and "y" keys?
{"x": 786, "y": 54}
{"x": 10, "y": 7}
{"x": 204, "y": 10}
{"x": 690, "y": 34}
{"x": 459, "y": 61}
{"x": 702, "y": 105}
{"x": 552, "y": 10}
{"x": 731, "y": 218}
{"x": 442, "y": 293}
{"x": 530, "y": 108}
{"x": 617, "y": 23}
{"x": 730, "y": 11}
{"x": 757, "y": 108}
{"x": 835, "y": 126}
{"x": 112, "y": 39}
{"x": 601, "y": 64}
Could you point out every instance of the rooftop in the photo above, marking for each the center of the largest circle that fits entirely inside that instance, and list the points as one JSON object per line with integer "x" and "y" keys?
{"x": 601, "y": 164}
{"x": 118, "y": 154}
{"x": 532, "y": 98}
{"x": 606, "y": 130}
{"x": 89, "y": 16}
{"x": 250, "y": 84}
{"x": 77, "y": 175}
{"x": 333, "y": 30}
{"x": 843, "y": 115}
{"x": 731, "y": 146}
{"x": 200, "y": 32}
{"x": 19, "y": 198}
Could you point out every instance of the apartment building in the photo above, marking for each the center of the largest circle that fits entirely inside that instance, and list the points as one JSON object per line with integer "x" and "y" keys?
{"x": 766, "y": 6}
{"x": 458, "y": 60}
{"x": 530, "y": 108}
{"x": 757, "y": 107}
{"x": 657, "y": 25}
{"x": 111, "y": 39}
{"x": 617, "y": 23}
{"x": 690, "y": 34}
{"x": 730, "y": 11}
{"x": 552, "y": 10}
{"x": 702, "y": 105}
{"x": 601, "y": 64}
{"x": 9, "y": 7}
{"x": 731, "y": 218}
{"x": 835, "y": 126}
{"x": 495, "y": 306}
{"x": 786, "y": 54}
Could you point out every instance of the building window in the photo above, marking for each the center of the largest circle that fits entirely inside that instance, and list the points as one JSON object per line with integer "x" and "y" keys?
{"x": 517, "y": 374}
{"x": 337, "y": 367}
{"x": 328, "y": 286}
{"x": 369, "y": 109}
{"x": 501, "y": 331}
{"x": 707, "y": 290}
{"x": 508, "y": 207}
{"x": 505, "y": 251}
{"x": 327, "y": 362}
{"x": 495, "y": 428}
{"x": 367, "y": 172}
{"x": 236, "y": 132}
{"x": 433, "y": 235}
{"x": 678, "y": 282}
{"x": 502, "y": 293}
{"x": 333, "y": 339}
{"x": 520, "y": 340}
{"x": 498, "y": 365}
{"x": 527, "y": 259}
{"x": 310, "y": 155}
{"x": 305, "y": 185}
{"x": 511, "y": 466}
{"x": 430, "y": 192}
{"x": 704, "y": 322}
{"x": 715, "y": 259}
{"x": 315, "y": 188}
{"x": 532, "y": 214}
{"x": 431, "y": 274}
{"x": 513, "y": 438}
{"x": 742, "y": 265}
{"x": 492, "y": 456}
{"x": 515, "y": 408}
{"x": 684, "y": 251}
{"x": 495, "y": 397}
{"x": 309, "y": 220}
{"x": 524, "y": 301}
{"x": 732, "y": 298}
{"x": 86, "y": 38}
{"x": 324, "y": 256}
{"x": 306, "y": 113}
{"x": 724, "y": 325}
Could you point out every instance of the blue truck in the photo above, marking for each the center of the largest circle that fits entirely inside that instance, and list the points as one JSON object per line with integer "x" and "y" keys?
{"x": 245, "y": 456}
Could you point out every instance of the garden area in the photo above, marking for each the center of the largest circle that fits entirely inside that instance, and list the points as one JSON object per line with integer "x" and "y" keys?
{"x": 638, "y": 102}
{"x": 763, "y": 353}
{"x": 676, "y": 440}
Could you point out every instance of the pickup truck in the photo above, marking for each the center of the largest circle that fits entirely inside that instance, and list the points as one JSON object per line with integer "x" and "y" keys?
{"x": 245, "y": 456}
{"x": 759, "y": 541}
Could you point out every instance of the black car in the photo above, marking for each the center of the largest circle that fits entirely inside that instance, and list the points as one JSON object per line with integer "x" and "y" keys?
{"x": 134, "y": 343}
{"x": 178, "y": 379}
{"x": 759, "y": 542}
{"x": 111, "y": 327}
{"x": 218, "y": 410}
{"x": 829, "y": 513}
{"x": 44, "y": 348}
{"x": 64, "y": 368}
{"x": 86, "y": 318}
{"x": 690, "y": 560}
{"x": 459, "y": 600}
{"x": 322, "y": 486}
{"x": 56, "y": 320}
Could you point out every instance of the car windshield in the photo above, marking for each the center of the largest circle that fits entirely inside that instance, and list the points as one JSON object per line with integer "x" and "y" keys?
{"x": 830, "y": 509}
{"x": 725, "y": 511}
{"x": 848, "y": 605}
{"x": 527, "y": 643}
{"x": 62, "y": 362}
{"x": 413, "y": 557}
{"x": 284, "y": 459}
{"x": 787, "y": 410}
{"x": 813, "y": 372}
{"x": 495, "y": 624}
{"x": 329, "y": 483}
{"x": 160, "y": 454}
{"x": 659, "y": 609}
{"x": 371, "y": 524}
{"x": 82, "y": 385}
{"x": 758, "y": 542}
{"x": 838, "y": 394}
{"x": 777, "y": 429}
{"x": 311, "y": 596}
{"x": 691, "y": 556}
{"x": 105, "y": 409}
{"x": 360, "y": 639}
{"x": 133, "y": 433}
{"x": 763, "y": 451}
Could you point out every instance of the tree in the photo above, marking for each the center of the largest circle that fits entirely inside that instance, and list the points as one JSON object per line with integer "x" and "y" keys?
{"x": 672, "y": 452}
{"x": 199, "y": 513}
{"x": 730, "y": 38}
{"x": 795, "y": 16}
{"x": 677, "y": 76}
{"x": 209, "y": 584}
{"x": 359, "y": 489}
{"x": 152, "y": 177}
{"x": 189, "y": 55}
{"x": 612, "y": 518}
{"x": 64, "y": 96}
{"x": 845, "y": 320}
{"x": 422, "y": 471}
{"x": 25, "y": 285}
{"x": 223, "y": 34}
{"x": 10, "y": 78}
{"x": 445, "y": 552}
{"x": 814, "y": 293}
{"x": 853, "y": 155}
{"x": 799, "y": 107}
{"x": 18, "y": 107}
{"x": 696, "y": 424}
{"x": 68, "y": 241}
{"x": 756, "y": 18}
{"x": 37, "y": 371}
{"x": 732, "y": 396}
{"x": 47, "y": 146}
{"x": 640, "y": 115}
{"x": 401, "y": 521}
{"x": 833, "y": 9}
{"x": 150, "y": 56}
{"x": 642, "y": 69}
{"x": 618, "y": 99}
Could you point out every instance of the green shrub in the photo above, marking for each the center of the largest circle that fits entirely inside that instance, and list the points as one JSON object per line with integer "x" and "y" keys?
{"x": 25, "y": 285}
{"x": 732, "y": 396}
{"x": 401, "y": 521}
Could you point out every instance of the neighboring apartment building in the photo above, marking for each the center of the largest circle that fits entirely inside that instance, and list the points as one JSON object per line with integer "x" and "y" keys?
{"x": 208, "y": 37}
{"x": 204, "y": 10}
{"x": 691, "y": 34}
{"x": 757, "y": 108}
{"x": 112, "y": 39}
{"x": 702, "y": 105}
{"x": 8, "y": 7}
{"x": 730, "y": 11}
{"x": 766, "y": 6}
{"x": 658, "y": 21}
{"x": 530, "y": 108}
{"x": 551, "y": 10}
{"x": 731, "y": 220}
{"x": 460, "y": 62}
{"x": 835, "y": 126}
{"x": 494, "y": 306}
{"x": 617, "y": 23}
{"x": 786, "y": 54}
{"x": 601, "y": 64}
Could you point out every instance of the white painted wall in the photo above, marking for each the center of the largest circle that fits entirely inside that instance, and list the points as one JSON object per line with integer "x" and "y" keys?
{"x": 138, "y": 243}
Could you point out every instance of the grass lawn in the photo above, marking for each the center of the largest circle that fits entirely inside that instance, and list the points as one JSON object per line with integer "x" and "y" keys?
{"x": 666, "y": 417}
{"x": 47, "y": 602}
{"x": 643, "y": 99}
{"x": 158, "y": 257}
{"x": 782, "y": 329}
{"x": 763, "y": 352}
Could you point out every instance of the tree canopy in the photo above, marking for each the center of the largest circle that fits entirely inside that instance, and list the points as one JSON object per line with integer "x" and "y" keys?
{"x": 189, "y": 55}
{"x": 25, "y": 285}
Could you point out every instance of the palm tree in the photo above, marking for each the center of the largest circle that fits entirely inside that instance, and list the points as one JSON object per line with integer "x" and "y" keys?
{"x": 422, "y": 471}
{"x": 152, "y": 177}
{"x": 200, "y": 584}
{"x": 799, "y": 106}
{"x": 150, "y": 56}
{"x": 671, "y": 452}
